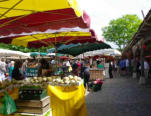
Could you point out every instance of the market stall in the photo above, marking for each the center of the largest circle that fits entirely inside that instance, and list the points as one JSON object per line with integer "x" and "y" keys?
{"x": 62, "y": 92}
{"x": 76, "y": 49}
{"x": 96, "y": 73}
{"x": 12, "y": 53}
{"x": 106, "y": 55}
{"x": 105, "y": 52}
{"x": 43, "y": 24}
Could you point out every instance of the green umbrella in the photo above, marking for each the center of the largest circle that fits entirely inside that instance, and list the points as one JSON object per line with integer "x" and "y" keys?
{"x": 82, "y": 48}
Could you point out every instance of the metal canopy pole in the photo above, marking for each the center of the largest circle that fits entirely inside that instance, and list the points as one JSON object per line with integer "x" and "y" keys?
{"x": 11, "y": 8}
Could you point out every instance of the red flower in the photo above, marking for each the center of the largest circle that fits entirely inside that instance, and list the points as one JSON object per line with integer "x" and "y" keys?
{"x": 144, "y": 47}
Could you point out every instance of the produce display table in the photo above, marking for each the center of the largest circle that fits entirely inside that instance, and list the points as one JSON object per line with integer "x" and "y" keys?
{"x": 64, "y": 100}
{"x": 96, "y": 74}
{"x": 67, "y": 100}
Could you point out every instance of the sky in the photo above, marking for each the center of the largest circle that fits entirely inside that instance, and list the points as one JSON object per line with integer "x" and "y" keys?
{"x": 102, "y": 11}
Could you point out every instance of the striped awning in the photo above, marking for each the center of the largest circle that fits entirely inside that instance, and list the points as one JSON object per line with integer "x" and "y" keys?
{"x": 27, "y": 17}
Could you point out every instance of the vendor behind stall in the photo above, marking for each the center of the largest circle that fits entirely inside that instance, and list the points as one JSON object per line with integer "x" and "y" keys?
{"x": 100, "y": 65}
{"x": 43, "y": 68}
{"x": 17, "y": 72}
{"x": 11, "y": 68}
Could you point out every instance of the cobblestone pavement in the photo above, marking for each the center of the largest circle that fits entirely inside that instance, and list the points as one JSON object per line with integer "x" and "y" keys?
{"x": 120, "y": 97}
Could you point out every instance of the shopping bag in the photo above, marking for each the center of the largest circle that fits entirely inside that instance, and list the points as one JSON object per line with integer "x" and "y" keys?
{"x": 8, "y": 105}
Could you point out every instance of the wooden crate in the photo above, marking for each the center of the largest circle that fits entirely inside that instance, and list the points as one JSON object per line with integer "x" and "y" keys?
{"x": 96, "y": 74}
{"x": 48, "y": 113}
{"x": 33, "y": 110}
{"x": 33, "y": 103}
{"x": 33, "y": 106}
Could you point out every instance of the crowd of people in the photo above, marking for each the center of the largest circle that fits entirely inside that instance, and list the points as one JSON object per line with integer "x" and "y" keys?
{"x": 126, "y": 67}
{"x": 11, "y": 69}
{"x": 117, "y": 67}
{"x": 18, "y": 69}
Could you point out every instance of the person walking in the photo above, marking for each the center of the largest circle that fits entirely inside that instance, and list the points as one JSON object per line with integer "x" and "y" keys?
{"x": 114, "y": 69}
{"x": 127, "y": 67}
{"x": 86, "y": 74}
{"x": 146, "y": 68}
{"x": 17, "y": 72}
{"x": 110, "y": 70}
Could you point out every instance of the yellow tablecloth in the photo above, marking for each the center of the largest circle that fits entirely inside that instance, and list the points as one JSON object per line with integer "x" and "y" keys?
{"x": 67, "y": 101}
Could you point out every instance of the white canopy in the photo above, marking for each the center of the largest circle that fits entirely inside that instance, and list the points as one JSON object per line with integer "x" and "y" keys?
{"x": 51, "y": 54}
{"x": 106, "y": 52}
{"x": 10, "y": 53}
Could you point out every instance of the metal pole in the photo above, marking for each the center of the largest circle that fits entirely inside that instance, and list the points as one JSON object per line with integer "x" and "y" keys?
{"x": 143, "y": 14}
{"x": 142, "y": 78}
{"x": 11, "y": 8}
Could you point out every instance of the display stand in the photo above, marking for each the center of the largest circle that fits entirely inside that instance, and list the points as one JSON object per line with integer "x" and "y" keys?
{"x": 96, "y": 74}
{"x": 64, "y": 101}
{"x": 48, "y": 113}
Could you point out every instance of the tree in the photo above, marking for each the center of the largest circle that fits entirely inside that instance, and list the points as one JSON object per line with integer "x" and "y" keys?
{"x": 121, "y": 30}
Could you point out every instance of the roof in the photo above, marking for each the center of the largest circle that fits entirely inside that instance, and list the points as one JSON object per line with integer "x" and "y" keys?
{"x": 143, "y": 31}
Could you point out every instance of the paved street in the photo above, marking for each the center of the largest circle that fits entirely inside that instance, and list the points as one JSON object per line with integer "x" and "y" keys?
{"x": 120, "y": 97}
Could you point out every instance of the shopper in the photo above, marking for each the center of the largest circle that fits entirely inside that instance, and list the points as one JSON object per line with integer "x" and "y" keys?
{"x": 82, "y": 69}
{"x": 17, "y": 72}
{"x": 122, "y": 67}
{"x": 138, "y": 68}
{"x": 86, "y": 74}
{"x": 24, "y": 67}
{"x": 75, "y": 68}
{"x": 11, "y": 68}
{"x": 146, "y": 68}
{"x": 114, "y": 69}
{"x": 127, "y": 66}
{"x": 2, "y": 69}
{"x": 118, "y": 68}
{"x": 110, "y": 70}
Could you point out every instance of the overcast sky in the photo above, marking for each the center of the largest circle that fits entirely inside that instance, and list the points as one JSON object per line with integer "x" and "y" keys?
{"x": 102, "y": 11}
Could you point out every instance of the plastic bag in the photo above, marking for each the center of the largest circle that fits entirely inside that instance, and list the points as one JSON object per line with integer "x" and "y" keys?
{"x": 8, "y": 105}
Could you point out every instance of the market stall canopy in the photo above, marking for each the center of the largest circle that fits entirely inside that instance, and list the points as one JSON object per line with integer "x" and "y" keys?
{"x": 11, "y": 53}
{"x": 105, "y": 52}
{"x": 65, "y": 58}
{"x": 47, "y": 39}
{"x": 38, "y": 54}
{"x": 26, "y": 17}
{"x": 64, "y": 46}
{"x": 81, "y": 48}
{"x": 54, "y": 54}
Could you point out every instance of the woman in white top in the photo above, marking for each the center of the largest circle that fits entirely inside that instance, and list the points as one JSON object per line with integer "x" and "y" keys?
{"x": 2, "y": 70}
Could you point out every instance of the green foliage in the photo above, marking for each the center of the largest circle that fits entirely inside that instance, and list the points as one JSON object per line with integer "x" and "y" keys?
{"x": 121, "y": 30}
{"x": 23, "y": 49}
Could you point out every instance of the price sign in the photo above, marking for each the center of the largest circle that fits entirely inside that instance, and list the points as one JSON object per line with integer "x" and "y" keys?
{"x": 32, "y": 72}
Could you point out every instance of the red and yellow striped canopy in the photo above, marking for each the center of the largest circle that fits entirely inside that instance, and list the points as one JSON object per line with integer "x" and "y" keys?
{"x": 24, "y": 17}
{"x": 46, "y": 39}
